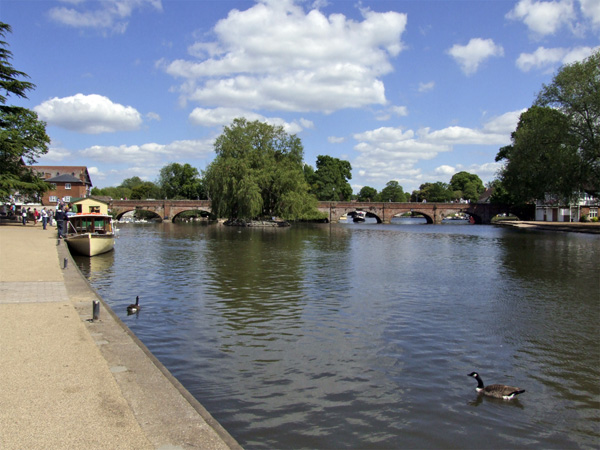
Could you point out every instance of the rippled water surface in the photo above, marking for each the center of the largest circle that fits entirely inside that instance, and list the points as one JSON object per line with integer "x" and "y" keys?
{"x": 362, "y": 336}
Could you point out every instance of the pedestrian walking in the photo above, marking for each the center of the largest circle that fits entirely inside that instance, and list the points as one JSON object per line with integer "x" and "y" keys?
{"x": 24, "y": 215}
{"x": 44, "y": 218}
{"x": 60, "y": 217}
{"x": 36, "y": 216}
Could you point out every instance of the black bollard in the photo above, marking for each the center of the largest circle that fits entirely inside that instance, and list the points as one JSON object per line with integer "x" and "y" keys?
{"x": 96, "y": 310}
{"x": 65, "y": 263}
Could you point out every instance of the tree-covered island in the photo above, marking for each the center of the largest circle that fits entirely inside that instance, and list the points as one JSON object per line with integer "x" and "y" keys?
{"x": 258, "y": 173}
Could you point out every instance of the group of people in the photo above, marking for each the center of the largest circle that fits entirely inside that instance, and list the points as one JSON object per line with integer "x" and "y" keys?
{"x": 48, "y": 216}
{"x": 45, "y": 216}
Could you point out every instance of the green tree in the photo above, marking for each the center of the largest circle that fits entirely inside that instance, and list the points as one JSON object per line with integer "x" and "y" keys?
{"x": 368, "y": 194}
{"x": 500, "y": 195}
{"x": 258, "y": 172}
{"x": 467, "y": 186}
{"x": 330, "y": 181}
{"x": 133, "y": 187}
{"x": 180, "y": 181}
{"x": 23, "y": 137}
{"x": 393, "y": 192}
{"x": 131, "y": 183}
{"x": 575, "y": 91}
{"x": 543, "y": 157}
{"x": 117, "y": 192}
{"x": 433, "y": 192}
{"x": 147, "y": 189}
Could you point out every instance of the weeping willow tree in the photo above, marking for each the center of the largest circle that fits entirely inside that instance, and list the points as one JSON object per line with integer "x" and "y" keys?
{"x": 258, "y": 173}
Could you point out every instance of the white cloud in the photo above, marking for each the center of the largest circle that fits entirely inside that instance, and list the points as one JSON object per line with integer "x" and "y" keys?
{"x": 466, "y": 136}
{"x": 276, "y": 56}
{"x": 109, "y": 15}
{"x": 486, "y": 171}
{"x": 336, "y": 140}
{"x": 400, "y": 111}
{"x": 389, "y": 153}
{"x": 386, "y": 153}
{"x": 54, "y": 155}
{"x": 543, "y": 17}
{"x": 153, "y": 116}
{"x": 470, "y": 56}
{"x": 503, "y": 125}
{"x": 591, "y": 10}
{"x": 549, "y": 58}
{"x": 495, "y": 131}
{"x": 90, "y": 114}
{"x": 95, "y": 173}
{"x": 150, "y": 153}
{"x": 307, "y": 123}
{"x": 218, "y": 117}
{"x": 445, "y": 170}
{"x": 426, "y": 87}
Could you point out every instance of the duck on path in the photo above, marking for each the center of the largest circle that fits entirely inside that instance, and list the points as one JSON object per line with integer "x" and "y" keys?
{"x": 496, "y": 390}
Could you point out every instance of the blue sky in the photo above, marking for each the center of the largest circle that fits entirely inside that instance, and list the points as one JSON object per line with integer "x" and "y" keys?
{"x": 412, "y": 91}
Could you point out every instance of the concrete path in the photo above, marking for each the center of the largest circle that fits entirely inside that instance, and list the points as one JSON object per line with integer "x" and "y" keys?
{"x": 67, "y": 382}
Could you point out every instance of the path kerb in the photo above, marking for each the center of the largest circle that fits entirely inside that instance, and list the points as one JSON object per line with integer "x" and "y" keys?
{"x": 68, "y": 382}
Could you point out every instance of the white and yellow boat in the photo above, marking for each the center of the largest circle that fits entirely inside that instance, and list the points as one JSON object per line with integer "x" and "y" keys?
{"x": 90, "y": 234}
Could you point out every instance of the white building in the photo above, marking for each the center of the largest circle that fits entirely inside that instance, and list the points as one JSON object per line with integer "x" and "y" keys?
{"x": 554, "y": 209}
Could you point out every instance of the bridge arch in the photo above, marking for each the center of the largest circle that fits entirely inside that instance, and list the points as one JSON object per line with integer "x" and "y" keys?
{"x": 202, "y": 212}
{"x": 119, "y": 215}
{"x": 425, "y": 214}
{"x": 368, "y": 214}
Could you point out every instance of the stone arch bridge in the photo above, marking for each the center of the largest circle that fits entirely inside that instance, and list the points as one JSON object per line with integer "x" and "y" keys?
{"x": 383, "y": 212}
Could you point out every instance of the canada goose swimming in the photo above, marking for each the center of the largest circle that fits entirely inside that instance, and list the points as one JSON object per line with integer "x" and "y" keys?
{"x": 131, "y": 309}
{"x": 496, "y": 390}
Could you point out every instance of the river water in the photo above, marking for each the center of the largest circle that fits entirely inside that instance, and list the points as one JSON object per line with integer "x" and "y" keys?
{"x": 362, "y": 335}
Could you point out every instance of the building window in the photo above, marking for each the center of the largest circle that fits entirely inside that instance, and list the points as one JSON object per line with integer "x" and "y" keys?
{"x": 67, "y": 199}
{"x": 67, "y": 185}
{"x": 53, "y": 199}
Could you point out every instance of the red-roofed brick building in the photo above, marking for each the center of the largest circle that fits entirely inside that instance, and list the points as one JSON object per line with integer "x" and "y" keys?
{"x": 69, "y": 182}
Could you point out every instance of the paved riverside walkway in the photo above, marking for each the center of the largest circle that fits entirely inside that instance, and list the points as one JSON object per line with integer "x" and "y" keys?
{"x": 67, "y": 382}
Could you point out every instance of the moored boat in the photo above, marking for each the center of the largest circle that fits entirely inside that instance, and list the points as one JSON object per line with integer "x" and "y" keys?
{"x": 90, "y": 234}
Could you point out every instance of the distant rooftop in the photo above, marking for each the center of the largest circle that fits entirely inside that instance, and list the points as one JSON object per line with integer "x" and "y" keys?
{"x": 66, "y": 178}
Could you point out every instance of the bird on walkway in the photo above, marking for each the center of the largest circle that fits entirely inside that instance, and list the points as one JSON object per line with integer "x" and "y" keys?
{"x": 496, "y": 390}
{"x": 133, "y": 308}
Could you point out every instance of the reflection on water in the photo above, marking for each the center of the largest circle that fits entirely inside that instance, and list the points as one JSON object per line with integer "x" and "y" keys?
{"x": 362, "y": 336}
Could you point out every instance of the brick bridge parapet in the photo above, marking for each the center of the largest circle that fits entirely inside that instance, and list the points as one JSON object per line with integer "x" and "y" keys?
{"x": 383, "y": 212}
{"x": 166, "y": 209}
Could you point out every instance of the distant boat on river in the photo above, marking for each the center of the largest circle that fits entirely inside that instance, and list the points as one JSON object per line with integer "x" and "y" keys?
{"x": 359, "y": 216}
